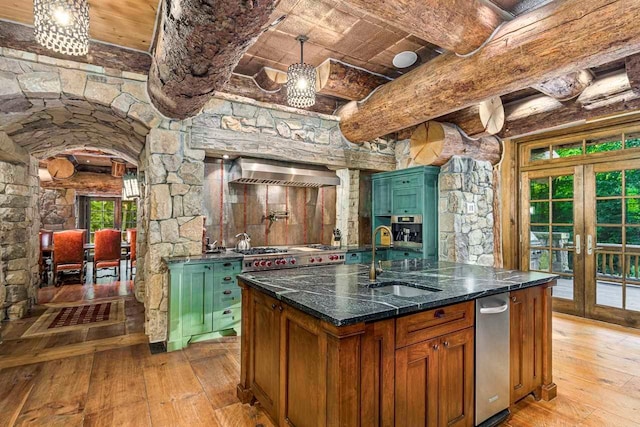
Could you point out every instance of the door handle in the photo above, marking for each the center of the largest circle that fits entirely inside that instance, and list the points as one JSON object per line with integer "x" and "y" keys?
{"x": 578, "y": 244}
{"x": 589, "y": 244}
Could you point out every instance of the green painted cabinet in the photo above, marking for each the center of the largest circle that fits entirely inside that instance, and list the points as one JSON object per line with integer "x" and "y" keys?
{"x": 197, "y": 299}
{"x": 399, "y": 254}
{"x": 412, "y": 191}
{"x": 382, "y": 197}
{"x": 204, "y": 301}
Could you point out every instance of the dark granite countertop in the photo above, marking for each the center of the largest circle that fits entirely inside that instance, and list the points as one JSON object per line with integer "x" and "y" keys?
{"x": 227, "y": 255}
{"x": 339, "y": 294}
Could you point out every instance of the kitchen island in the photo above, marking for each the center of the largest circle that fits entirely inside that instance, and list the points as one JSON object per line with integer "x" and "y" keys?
{"x": 325, "y": 346}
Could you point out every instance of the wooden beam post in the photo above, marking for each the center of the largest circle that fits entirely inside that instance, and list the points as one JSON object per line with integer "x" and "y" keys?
{"x": 199, "y": 44}
{"x": 591, "y": 33}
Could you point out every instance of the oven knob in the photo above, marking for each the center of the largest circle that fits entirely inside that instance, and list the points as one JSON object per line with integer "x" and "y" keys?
{"x": 263, "y": 263}
{"x": 268, "y": 263}
{"x": 293, "y": 261}
{"x": 277, "y": 262}
{"x": 319, "y": 259}
{"x": 256, "y": 263}
{"x": 283, "y": 261}
{"x": 312, "y": 260}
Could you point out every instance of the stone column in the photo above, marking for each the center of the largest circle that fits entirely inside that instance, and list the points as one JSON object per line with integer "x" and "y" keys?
{"x": 18, "y": 238}
{"x": 174, "y": 178}
{"x": 347, "y": 204}
{"x": 466, "y": 211}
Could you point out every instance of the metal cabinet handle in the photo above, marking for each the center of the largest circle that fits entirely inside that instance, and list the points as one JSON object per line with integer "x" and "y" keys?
{"x": 439, "y": 314}
{"x": 495, "y": 310}
{"x": 227, "y": 312}
{"x": 436, "y": 347}
{"x": 514, "y": 299}
{"x": 227, "y": 264}
{"x": 446, "y": 344}
{"x": 280, "y": 308}
{"x": 208, "y": 267}
{"x": 227, "y": 279}
{"x": 227, "y": 292}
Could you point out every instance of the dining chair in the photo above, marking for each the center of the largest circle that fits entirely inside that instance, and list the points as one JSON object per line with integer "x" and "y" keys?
{"x": 68, "y": 253}
{"x": 132, "y": 235}
{"x": 107, "y": 251}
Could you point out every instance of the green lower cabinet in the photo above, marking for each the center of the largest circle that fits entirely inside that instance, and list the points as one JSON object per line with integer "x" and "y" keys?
{"x": 399, "y": 254}
{"x": 204, "y": 301}
{"x": 197, "y": 299}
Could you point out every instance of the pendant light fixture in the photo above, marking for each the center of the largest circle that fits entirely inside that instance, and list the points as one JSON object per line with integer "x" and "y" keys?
{"x": 62, "y": 25}
{"x": 301, "y": 81}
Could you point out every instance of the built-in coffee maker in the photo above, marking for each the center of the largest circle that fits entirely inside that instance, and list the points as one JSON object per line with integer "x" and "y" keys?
{"x": 406, "y": 231}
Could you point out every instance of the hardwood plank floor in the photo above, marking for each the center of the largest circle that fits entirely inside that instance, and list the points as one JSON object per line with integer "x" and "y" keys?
{"x": 596, "y": 367}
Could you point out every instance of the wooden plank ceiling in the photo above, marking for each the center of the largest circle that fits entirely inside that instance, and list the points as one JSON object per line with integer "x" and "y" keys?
{"x": 126, "y": 23}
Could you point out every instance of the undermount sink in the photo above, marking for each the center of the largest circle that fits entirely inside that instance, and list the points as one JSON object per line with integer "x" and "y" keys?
{"x": 402, "y": 289}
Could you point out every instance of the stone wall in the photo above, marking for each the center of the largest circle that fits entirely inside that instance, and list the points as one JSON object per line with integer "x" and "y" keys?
{"x": 19, "y": 248}
{"x": 466, "y": 211}
{"x": 173, "y": 177}
{"x": 57, "y": 208}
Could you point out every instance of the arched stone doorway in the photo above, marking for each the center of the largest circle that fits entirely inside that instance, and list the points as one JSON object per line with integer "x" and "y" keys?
{"x": 49, "y": 105}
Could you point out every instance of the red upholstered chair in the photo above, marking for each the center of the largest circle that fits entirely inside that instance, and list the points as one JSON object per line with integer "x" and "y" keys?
{"x": 132, "y": 235}
{"x": 107, "y": 251}
{"x": 68, "y": 252}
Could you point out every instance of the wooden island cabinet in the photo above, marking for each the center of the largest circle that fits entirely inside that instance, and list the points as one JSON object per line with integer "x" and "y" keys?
{"x": 413, "y": 370}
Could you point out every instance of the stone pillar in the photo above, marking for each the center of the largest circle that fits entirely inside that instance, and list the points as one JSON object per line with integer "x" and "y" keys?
{"x": 174, "y": 178}
{"x": 466, "y": 211}
{"x": 19, "y": 247}
{"x": 347, "y": 205}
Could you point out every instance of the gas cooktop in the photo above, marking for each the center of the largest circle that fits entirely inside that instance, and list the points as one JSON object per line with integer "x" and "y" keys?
{"x": 274, "y": 258}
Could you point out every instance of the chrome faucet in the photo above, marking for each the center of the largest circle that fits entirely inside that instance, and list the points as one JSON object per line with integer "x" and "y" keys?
{"x": 373, "y": 271}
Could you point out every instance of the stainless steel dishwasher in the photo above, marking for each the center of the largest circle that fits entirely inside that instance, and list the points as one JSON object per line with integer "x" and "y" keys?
{"x": 492, "y": 359}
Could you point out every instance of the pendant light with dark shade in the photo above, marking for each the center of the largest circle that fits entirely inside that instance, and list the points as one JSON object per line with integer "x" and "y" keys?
{"x": 301, "y": 81}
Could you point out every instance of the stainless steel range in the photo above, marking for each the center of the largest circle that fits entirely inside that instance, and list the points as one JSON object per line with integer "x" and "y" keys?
{"x": 275, "y": 258}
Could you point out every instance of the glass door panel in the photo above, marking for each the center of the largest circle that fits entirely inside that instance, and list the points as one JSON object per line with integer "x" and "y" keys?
{"x": 613, "y": 259}
{"x": 550, "y": 228}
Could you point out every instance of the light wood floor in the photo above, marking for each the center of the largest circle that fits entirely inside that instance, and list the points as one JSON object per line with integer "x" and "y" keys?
{"x": 596, "y": 367}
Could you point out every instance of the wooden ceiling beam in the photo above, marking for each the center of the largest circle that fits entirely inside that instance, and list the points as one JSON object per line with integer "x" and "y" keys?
{"x": 20, "y": 37}
{"x": 591, "y": 33}
{"x": 199, "y": 44}
{"x": 459, "y": 26}
{"x": 632, "y": 67}
{"x": 335, "y": 78}
{"x": 566, "y": 87}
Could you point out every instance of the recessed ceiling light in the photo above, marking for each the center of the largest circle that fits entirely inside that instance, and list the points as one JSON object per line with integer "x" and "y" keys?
{"x": 405, "y": 59}
{"x": 225, "y": 156}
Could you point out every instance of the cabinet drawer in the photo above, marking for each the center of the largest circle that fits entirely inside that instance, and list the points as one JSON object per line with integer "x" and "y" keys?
{"x": 414, "y": 180}
{"x": 227, "y": 268}
{"x": 423, "y": 326}
{"x": 222, "y": 280}
{"x": 226, "y": 319}
{"x": 227, "y": 297}
{"x": 398, "y": 254}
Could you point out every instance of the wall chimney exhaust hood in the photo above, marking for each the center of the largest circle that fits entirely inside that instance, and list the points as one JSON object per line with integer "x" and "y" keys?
{"x": 270, "y": 172}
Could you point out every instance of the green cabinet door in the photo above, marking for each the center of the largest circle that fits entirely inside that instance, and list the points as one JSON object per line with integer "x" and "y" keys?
{"x": 382, "y": 197}
{"x": 408, "y": 200}
{"x": 197, "y": 299}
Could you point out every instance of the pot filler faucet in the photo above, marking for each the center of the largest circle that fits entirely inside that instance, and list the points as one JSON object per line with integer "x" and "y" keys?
{"x": 373, "y": 271}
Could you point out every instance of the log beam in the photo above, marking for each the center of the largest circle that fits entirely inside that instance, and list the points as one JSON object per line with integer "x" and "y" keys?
{"x": 566, "y": 87}
{"x": 249, "y": 87}
{"x": 434, "y": 143}
{"x": 88, "y": 183}
{"x": 20, "y": 37}
{"x": 199, "y": 44}
{"x": 456, "y": 25}
{"x": 632, "y": 67}
{"x": 344, "y": 81}
{"x": 591, "y": 33}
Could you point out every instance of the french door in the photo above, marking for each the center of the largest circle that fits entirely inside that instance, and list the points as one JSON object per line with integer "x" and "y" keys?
{"x": 583, "y": 223}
